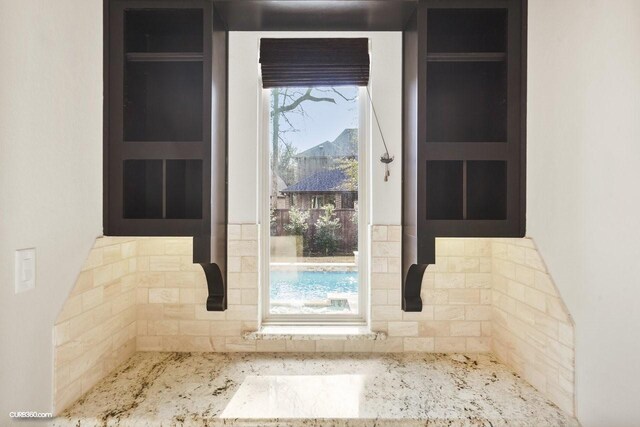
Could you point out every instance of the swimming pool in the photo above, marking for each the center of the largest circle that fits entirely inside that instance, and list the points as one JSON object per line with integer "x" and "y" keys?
{"x": 300, "y": 286}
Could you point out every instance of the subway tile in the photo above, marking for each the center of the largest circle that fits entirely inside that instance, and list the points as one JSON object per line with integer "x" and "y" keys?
{"x": 249, "y": 232}
{"x": 448, "y": 312}
{"x": 535, "y": 299}
{"x": 420, "y": 345}
{"x": 201, "y": 313}
{"x": 532, "y": 259}
{"x": 194, "y": 327}
{"x": 329, "y": 346}
{"x": 234, "y": 296}
{"x": 478, "y": 344}
{"x": 271, "y": 346}
{"x": 386, "y": 312}
{"x": 449, "y": 247}
{"x": 165, "y": 263}
{"x": 179, "y": 311}
{"x": 164, "y": 295}
{"x": 435, "y": 296}
{"x": 515, "y": 254}
{"x": 390, "y": 345}
{"x": 129, "y": 249}
{"x": 450, "y": 345}
{"x": 102, "y": 275}
{"x": 379, "y": 265}
{"x": 465, "y": 329}
{"x": 111, "y": 254}
{"x": 249, "y": 264}
{"x": 394, "y": 233}
{"x": 178, "y": 246}
{"x": 394, "y": 297}
{"x": 478, "y": 280}
{"x": 234, "y": 264}
{"x": 386, "y": 281}
{"x": 92, "y": 298}
{"x": 187, "y": 296}
{"x": 427, "y": 313}
{"x": 300, "y": 346}
{"x": 358, "y": 346}
{"x": 150, "y": 246}
{"x": 242, "y": 248}
{"x": 449, "y": 280}
{"x": 403, "y": 329}
{"x": 477, "y": 312}
{"x": 234, "y": 232}
{"x": 386, "y": 249}
{"x": 94, "y": 259}
{"x": 235, "y": 344}
{"x": 226, "y": 328}
{"x": 379, "y": 233}
{"x": 477, "y": 247}
{"x": 434, "y": 328}
{"x": 242, "y": 312}
{"x": 379, "y": 296}
{"x": 249, "y": 297}
{"x": 565, "y": 334}
{"x": 72, "y": 307}
{"x": 464, "y": 296}
{"x": 463, "y": 264}
{"x": 394, "y": 264}
{"x": 525, "y": 275}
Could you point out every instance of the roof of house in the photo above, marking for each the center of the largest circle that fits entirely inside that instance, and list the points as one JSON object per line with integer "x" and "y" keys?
{"x": 345, "y": 145}
{"x": 329, "y": 181}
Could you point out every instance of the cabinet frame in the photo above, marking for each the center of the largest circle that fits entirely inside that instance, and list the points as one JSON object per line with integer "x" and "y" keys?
{"x": 117, "y": 150}
{"x": 419, "y": 232}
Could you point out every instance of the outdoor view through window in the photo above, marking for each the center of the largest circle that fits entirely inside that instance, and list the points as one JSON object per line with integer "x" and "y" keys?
{"x": 313, "y": 201}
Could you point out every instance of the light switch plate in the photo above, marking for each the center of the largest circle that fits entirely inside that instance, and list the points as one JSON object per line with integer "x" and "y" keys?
{"x": 25, "y": 271}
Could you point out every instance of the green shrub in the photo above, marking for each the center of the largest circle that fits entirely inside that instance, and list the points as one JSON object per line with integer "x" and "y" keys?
{"x": 327, "y": 227}
{"x": 298, "y": 222}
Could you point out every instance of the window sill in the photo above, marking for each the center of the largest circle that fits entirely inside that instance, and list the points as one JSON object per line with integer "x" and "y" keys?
{"x": 312, "y": 333}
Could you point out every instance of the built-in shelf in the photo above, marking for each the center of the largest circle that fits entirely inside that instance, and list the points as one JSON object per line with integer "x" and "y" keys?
{"x": 466, "y": 57}
{"x": 163, "y": 101}
{"x": 164, "y": 29}
{"x": 165, "y": 168}
{"x": 164, "y": 56}
{"x": 464, "y": 171}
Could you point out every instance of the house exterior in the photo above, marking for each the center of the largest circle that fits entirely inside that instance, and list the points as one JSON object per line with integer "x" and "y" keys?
{"x": 319, "y": 178}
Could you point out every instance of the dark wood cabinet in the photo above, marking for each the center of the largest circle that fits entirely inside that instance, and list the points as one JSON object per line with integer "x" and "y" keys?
{"x": 165, "y": 126}
{"x": 464, "y": 128}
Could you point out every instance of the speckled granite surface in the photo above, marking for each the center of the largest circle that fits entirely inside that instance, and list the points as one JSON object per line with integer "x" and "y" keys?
{"x": 211, "y": 389}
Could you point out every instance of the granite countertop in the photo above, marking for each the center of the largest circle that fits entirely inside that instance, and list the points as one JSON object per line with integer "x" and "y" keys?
{"x": 211, "y": 389}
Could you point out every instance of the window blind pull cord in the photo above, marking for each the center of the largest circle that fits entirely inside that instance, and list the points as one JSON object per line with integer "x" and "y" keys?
{"x": 386, "y": 158}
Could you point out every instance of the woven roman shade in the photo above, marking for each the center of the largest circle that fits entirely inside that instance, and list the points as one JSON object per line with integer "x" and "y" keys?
{"x": 314, "y": 62}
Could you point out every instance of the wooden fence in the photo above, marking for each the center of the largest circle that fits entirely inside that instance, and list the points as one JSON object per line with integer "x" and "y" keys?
{"x": 347, "y": 234}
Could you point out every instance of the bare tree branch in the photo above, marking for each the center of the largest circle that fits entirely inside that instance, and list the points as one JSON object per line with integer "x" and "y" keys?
{"x": 306, "y": 97}
{"x": 340, "y": 94}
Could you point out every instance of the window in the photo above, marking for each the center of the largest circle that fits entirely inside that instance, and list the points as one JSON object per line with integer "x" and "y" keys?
{"x": 313, "y": 182}
{"x": 317, "y": 202}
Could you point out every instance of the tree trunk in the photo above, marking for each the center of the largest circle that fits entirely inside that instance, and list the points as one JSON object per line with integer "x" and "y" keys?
{"x": 275, "y": 155}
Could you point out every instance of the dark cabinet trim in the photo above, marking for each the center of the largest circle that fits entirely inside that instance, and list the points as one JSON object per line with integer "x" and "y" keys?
{"x": 165, "y": 127}
{"x": 463, "y": 176}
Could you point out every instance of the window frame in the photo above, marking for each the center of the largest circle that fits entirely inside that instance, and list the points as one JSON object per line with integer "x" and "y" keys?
{"x": 364, "y": 199}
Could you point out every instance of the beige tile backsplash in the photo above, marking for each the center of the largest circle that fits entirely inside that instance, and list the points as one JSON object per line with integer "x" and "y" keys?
{"x": 482, "y": 295}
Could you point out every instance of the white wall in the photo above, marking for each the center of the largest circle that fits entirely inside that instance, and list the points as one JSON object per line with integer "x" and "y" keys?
{"x": 583, "y": 188}
{"x": 50, "y": 177}
{"x": 244, "y": 103}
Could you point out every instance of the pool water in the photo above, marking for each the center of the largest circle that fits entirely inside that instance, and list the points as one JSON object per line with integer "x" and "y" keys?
{"x": 302, "y": 286}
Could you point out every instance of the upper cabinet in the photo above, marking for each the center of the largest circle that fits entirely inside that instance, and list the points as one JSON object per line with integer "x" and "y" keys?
{"x": 464, "y": 128}
{"x": 159, "y": 122}
{"x": 165, "y": 138}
